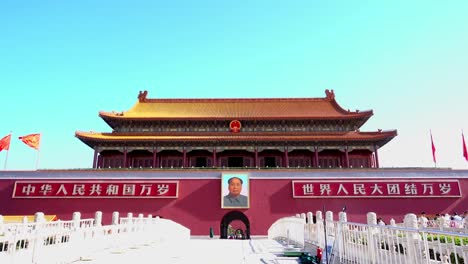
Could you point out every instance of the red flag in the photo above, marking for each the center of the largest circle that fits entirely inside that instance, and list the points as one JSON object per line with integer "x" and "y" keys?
{"x": 465, "y": 151}
{"x": 433, "y": 150}
{"x": 32, "y": 140}
{"x": 5, "y": 142}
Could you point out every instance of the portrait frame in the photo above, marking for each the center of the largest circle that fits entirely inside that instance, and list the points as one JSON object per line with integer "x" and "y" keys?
{"x": 244, "y": 198}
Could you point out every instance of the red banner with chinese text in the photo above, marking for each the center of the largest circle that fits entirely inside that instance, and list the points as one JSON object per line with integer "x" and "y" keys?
{"x": 96, "y": 189}
{"x": 375, "y": 188}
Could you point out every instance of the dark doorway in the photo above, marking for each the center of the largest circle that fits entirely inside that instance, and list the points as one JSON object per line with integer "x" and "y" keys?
{"x": 270, "y": 162}
{"x": 230, "y": 217}
{"x": 235, "y": 162}
{"x": 200, "y": 162}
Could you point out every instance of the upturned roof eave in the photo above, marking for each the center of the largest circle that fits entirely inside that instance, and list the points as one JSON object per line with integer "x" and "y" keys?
{"x": 109, "y": 116}
{"x": 362, "y": 136}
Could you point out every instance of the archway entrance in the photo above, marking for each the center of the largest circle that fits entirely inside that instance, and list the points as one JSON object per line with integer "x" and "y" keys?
{"x": 229, "y": 218}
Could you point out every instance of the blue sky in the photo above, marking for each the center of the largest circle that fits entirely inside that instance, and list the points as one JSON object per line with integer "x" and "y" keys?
{"x": 61, "y": 62}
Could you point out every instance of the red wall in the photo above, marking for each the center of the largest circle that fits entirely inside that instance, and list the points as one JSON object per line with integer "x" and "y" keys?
{"x": 198, "y": 206}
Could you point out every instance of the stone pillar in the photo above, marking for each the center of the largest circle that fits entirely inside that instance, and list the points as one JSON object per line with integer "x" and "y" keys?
{"x": 372, "y": 230}
{"x": 371, "y": 218}
{"x": 303, "y": 216}
{"x": 342, "y": 217}
{"x": 39, "y": 217}
{"x": 411, "y": 222}
{"x": 310, "y": 218}
{"x": 329, "y": 216}
{"x": 320, "y": 229}
{"x": 115, "y": 218}
{"x": 98, "y": 218}
{"x": 76, "y": 217}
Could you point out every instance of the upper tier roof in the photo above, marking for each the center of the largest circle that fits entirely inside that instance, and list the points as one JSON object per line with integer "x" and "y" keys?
{"x": 237, "y": 108}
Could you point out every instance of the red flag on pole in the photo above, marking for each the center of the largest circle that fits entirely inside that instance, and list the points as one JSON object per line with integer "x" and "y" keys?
{"x": 5, "y": 142}
{"x": 465, "y": 151}
{"x": 32, "y": 140}
{"x": 433, "y": 149}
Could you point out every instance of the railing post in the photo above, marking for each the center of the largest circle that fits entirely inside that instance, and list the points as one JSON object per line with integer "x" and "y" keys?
{"x": 39, "y": 219}
{"x": 76, "y": 217}
{"x": 372, "y": 222}
{"x": 310, "y": 217}
{"x": 320, "y": 232}
{"x": 115, "y": 218}
{"x": 308, "y": 227}
{"x": 98, "y": 218}
{"x": 342, "y": 227}
{"x": 303, "y": 216}
{"x": 411, "y": 222}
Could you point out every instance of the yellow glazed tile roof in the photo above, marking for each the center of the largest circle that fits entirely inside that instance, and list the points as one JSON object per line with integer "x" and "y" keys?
{"x": 238, "y": 108}
{"x": 227, "y": 136}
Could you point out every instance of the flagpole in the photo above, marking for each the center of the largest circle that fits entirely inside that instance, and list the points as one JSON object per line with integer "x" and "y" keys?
{"x": 433, "y": 150}
{"x": 6, "y": 156}
{"x": 6, "y": 159}
{"x": 38, "y": 149}
{"x": 465, "y": 151}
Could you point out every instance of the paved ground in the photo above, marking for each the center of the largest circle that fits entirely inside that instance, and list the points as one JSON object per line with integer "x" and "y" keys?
{"x": 197, "y": 250}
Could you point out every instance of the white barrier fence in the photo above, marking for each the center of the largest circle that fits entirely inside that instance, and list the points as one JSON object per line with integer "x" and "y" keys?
{"x": 349, "y": 242}
{"x": 68, "y": 241}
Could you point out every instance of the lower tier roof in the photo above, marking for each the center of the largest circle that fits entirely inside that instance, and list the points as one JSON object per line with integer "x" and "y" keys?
{"x": 379, "y": 138}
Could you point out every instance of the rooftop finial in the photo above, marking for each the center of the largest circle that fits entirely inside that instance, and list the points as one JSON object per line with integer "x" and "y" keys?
{"x": 330, "y": 94}
{"x": 142, "y": 96}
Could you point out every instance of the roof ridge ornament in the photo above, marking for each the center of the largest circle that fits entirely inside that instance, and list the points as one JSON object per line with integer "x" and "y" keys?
{"x": 330, "y": 94}
{"x": 142, "y": 96}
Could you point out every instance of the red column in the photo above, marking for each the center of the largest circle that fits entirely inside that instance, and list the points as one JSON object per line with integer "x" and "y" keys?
{"x": 100, "y": 162}
{"x": 155, "y": 157}
{"x": 256, "y": 157}
{"x": 95, "y": 158}
{"x": 376, "y": 157}
{"x": 125, "y": 158}
{"x": 215, "y": 164}
{"x": 316, "y": 157}
{"x": 286, "y": 158}
{"x": 184, "y": 158}
{"x": 346, "y": 157}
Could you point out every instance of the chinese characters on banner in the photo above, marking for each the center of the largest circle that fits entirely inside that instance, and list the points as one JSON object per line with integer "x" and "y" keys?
{"x": 376, "y": 188}
{"x": 96, "y": 189}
